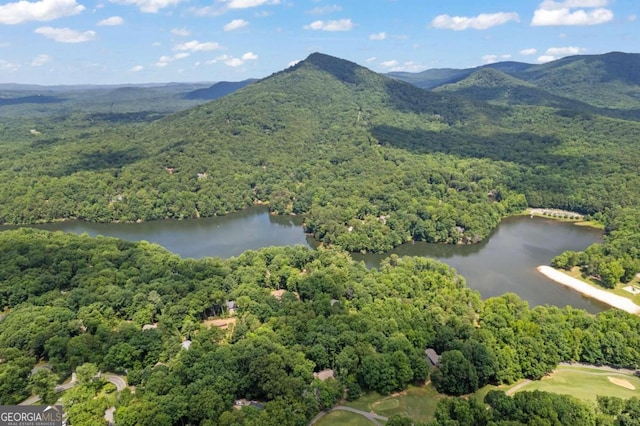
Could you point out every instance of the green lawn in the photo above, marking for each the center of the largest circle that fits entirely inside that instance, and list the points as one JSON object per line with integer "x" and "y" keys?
{"x": 417, "y": 402}
{"x": 585, "y": 383}
{"x": 339, "y": 418}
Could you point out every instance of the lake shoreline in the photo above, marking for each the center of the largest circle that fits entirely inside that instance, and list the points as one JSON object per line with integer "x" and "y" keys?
{"x": 588, "y": 290}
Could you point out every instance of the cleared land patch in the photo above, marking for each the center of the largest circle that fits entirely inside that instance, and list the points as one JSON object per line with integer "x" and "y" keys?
{"x": 621, "y": 382}
{"x": 586, "y": 383}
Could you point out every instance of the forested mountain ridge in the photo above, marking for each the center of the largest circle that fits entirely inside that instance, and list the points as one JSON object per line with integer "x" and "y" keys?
{"x": 605, "y": 81}
{"x": 370, "y": 161}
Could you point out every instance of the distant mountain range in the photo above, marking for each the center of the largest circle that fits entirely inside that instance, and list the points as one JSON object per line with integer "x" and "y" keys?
{"x": 218, "y": 90}
{"x": 610, "y": 80}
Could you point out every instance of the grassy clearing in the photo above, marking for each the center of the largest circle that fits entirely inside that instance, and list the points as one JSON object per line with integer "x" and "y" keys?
{"x": 585, "y": 383}
{"x": 417, "y": 402}
{"x": 339, "y": 418}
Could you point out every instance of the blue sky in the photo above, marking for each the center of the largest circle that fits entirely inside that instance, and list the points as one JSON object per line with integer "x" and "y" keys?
{"x": 143, "y": 41}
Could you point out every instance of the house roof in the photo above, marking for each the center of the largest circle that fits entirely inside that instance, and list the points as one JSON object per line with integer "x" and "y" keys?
{"x": 433, "y": 356}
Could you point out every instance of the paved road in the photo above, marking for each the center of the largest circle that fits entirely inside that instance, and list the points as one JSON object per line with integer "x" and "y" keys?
{"x": 371, "y": 416}
{"x": 119, "y": 381}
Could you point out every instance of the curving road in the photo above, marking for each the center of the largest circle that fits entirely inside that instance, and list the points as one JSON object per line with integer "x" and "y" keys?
{"x": 369, "y": 415}
{"x": 119, "y": 381}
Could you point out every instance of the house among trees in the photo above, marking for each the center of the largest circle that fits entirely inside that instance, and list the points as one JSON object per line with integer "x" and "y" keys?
{"x": 433, "y": 356}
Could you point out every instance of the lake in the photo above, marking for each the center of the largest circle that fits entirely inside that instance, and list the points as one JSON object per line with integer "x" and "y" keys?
{"x": 504, "y": 262}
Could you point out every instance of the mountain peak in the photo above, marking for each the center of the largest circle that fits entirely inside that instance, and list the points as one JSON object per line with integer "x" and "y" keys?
{"x": 342, "y": 69}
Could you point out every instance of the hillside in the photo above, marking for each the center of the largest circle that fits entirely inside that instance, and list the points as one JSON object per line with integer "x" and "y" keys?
{"x": 608, "y": 81}
{"x": 218, "y": 90}
{"x": 371, "y": 162}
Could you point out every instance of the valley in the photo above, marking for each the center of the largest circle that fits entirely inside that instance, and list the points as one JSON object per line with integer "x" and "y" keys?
{"x": 375, "y": 170}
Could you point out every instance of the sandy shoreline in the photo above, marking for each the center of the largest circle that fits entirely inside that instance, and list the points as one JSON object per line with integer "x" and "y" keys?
{"x": 589, "y": 290}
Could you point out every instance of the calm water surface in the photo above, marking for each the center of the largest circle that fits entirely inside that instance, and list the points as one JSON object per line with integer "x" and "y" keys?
{"x": 505, "y": 262}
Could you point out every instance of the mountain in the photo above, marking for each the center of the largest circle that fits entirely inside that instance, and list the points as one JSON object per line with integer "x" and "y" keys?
{"x": 491, "y": 85}
{"x": 436, "y": 77}
{"x": 610, "y": 80}
{"x": 218, "y": 90}
{"x": 371, "y": 162}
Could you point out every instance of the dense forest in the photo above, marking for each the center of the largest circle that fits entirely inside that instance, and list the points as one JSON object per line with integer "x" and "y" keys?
{"x": 370, "y": 163}
{"x": 94, "y": 304}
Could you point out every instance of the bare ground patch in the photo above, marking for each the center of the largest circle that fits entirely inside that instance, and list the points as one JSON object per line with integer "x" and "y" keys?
{"x": 621, "y": 382}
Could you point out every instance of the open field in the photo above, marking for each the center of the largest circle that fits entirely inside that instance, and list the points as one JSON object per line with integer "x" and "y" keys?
{"x": 339, "y": 418}
{"x": 419, "y": 403}
{"x": 586, "y": 383}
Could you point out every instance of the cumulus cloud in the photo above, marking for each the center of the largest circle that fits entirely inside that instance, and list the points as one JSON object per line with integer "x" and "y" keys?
{"x": 322, "y": 10}
{"x": 223, "y": 6}
{"x": 8, "y": 66}
{"x": 45, "y": 10}
{"x": 166, "y": 60}
{"x": 234, "y": 62}
{"x": 112, "y": 21}
{"x": 149, "y": 6}
{"x": 490, "y": 59}
{"x": 137, "y": 68}
{"x": 40, "y": 60}
{"x": 394, "y": 66}
{"x": 196, "y": 46}
{"x": 378, "y": 36}
{"x": 181, "y": 32}
{"x": 236, "y": 24}
{"x": 530, "y": 51}
{"x": 481, "y": 22}
{"x": 245, "y": 4}
{"x": 632, "y": 18}
{"x": 65, "y": 35}
{"x": 571, "y": 12}
{"x": 371, "y": 59}
{"x": 339, "y": 25}
{"x": 553, "y": 53}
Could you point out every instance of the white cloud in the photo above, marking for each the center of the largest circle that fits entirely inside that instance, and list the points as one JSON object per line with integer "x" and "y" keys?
{"x": 632, "y": 18}
{"x": 546, "y": 58}
{"x": 378, "y": 36}
{"x": 196, "y": 46}
{"x": 111, "y": 21}
{"x": 390, "y": 64}
{"x": 45, "y": 10}
{"x": 559, "y": 51}
{"x": 554, "y": 53}
{"x": 490, "y": 59}
{"x": 181, "y": 32}
{"x": 481, "y": 22}
{"x": 65, "y": 35}
{"x": 408, "y": 66}
{"x": 371, "y": 59}
{"x": 245, "y": 4}
{"x": 236, "y": 24}
{"x": 137, "y": 68}
{"x": 40, "y": 60}
{"x": 322, "y": 10}
{"x": 8, "y": 66}
{"x": 551, "y": 13}
{"x": 292, "y": 63}
{"x": 233, "y": 61}
{"x": 149, "y": 6}
{"x": 340, "y": 25}
{"x": 166, "y": 60}
{"x": 530, "y": 51}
